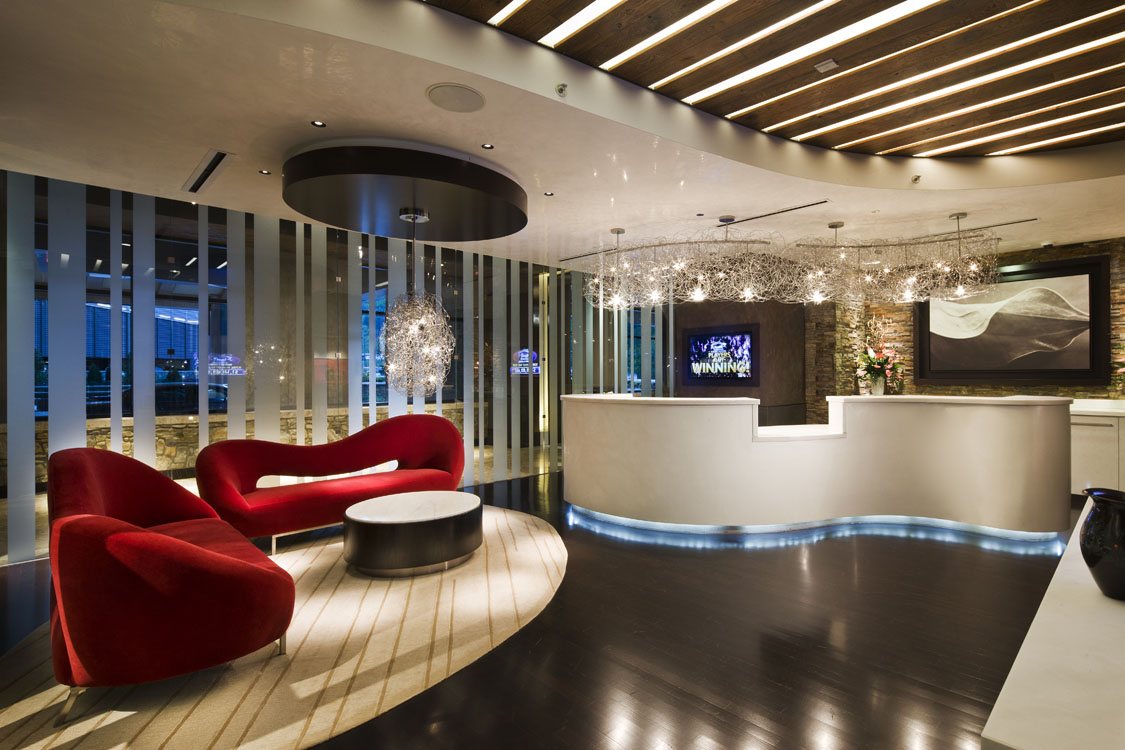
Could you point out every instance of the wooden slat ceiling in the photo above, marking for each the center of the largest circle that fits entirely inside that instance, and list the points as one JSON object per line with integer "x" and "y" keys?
{"x": 912, "y": 77}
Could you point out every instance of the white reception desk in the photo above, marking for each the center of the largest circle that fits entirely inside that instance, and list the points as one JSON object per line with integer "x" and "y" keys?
{"x": 1000, "y": 463}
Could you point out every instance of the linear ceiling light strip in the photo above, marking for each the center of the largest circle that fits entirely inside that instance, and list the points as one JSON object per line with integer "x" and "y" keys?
{"x": 506, "y": 12}
{"x": 686, "y": 22}
{"x": 948, "y": 68}
{"x": 884, "y": 58}
{"x": 975, "y": 107}
{"x": 817, "y": 46}
{"x": 965, "y": 85}
{"x": 579, "y": 21}
{"x": 1020, "y": 131}
{"x": 755, "y": 37}
{"x": 1060, "y": 139}
{"x": 993, "y": 123}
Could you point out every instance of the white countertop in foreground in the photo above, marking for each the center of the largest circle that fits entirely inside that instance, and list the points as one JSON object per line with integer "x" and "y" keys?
{"x": 1064, "y": 690}
{"x": 1098, "y": 407}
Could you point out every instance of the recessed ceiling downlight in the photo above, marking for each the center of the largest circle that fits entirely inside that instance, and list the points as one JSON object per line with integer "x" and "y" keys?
{"x": 455, "y": 97}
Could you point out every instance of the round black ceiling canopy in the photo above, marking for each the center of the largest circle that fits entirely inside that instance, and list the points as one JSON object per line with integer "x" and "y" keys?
{"x": 365, "y": 188}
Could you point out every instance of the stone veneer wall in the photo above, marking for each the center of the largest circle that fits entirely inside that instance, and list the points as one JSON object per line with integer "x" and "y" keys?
{"x": 177, "y": 437}
{"x": 900, "y": 326}
{"x": 820, "y": 359}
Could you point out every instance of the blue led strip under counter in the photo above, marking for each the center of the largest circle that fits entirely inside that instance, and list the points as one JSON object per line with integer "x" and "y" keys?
{"x": 784, "y": 535}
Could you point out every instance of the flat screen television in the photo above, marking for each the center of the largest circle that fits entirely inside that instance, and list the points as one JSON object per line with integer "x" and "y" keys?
{"x": 722, "y": 355}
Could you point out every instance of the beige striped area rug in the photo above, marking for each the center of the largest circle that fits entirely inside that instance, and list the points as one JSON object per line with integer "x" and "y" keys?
{"x": 358, "y": 646}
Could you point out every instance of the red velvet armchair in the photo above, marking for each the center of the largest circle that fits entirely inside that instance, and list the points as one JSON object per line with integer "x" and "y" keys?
{"x": 428, "y": 448}
{"x": 148, "y": 583}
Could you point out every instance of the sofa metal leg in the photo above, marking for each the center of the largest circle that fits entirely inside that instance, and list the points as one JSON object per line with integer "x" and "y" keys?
{"x": 273, "y": 545}
{"x": 281, "y": 645}
{"x": 71, "y": 697}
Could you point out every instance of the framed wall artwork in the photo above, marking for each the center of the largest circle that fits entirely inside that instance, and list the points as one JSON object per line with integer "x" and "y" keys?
{"x": 1043, "y": 324}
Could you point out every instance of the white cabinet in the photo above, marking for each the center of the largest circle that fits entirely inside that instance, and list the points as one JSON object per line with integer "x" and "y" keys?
{"x": 1097, "y": 453}
{"x": 1094, "y": 455}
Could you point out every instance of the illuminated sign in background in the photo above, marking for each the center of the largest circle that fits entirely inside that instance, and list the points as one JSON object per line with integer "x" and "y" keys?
{"x": 525, "y": 362}
{"x": 720, "y": 356}
{"x": 224, "y": 365}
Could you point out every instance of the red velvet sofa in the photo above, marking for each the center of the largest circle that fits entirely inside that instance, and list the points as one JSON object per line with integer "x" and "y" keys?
{"x": 147, "y": 582}
{"x": 428, "y": 448}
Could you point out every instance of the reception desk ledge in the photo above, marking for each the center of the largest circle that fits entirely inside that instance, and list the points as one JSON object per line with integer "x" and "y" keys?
{"x": 989, "y": 464}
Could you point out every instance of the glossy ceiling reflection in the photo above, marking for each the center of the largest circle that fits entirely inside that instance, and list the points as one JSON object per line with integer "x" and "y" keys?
{"x": 912, "y": 78}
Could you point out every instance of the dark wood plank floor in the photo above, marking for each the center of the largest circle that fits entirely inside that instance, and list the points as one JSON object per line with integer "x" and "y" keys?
{"x": 860, "y": 642}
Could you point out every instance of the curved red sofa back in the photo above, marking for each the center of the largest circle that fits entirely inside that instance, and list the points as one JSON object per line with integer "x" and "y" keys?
{"x": 417, "y": 441}
{"x": 104, "y": 483}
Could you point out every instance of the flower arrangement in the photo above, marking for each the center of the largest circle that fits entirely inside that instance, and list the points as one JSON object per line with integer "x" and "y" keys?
{"x": 877, "y": 362}
{"x": 1117, "y": 375}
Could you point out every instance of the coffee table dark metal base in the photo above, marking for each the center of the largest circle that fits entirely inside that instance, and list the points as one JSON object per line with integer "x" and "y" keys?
{"x": 439, "y": 530}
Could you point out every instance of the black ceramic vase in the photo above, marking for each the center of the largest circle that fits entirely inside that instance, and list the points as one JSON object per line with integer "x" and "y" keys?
{"x": 1102, "y": 541}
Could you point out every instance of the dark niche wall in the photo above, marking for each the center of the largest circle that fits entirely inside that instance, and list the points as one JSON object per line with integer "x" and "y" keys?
{"x": 781, "y": 355}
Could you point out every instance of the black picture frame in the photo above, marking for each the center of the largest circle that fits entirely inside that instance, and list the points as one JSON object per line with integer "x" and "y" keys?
{"x": 1095, "y": 267}
{"x": 754, "y": 381}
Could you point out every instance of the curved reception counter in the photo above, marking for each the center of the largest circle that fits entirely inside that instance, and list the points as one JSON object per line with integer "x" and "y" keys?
{"x": 704, "y": 464}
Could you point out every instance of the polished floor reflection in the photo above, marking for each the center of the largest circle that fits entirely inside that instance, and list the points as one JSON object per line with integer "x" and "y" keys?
{"x": 858, "y": 641}
{"x": 854, "y": 642}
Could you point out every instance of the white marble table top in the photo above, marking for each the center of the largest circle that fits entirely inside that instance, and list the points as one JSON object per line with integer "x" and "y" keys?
{"x": 412, "y": 507}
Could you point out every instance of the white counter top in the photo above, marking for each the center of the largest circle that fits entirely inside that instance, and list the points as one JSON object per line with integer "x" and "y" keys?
{"x": 1064, "y": 690}
{"x": 625, "y": 398}
{"x": 976, "y": 400}
{"x": 1098, "y": 407}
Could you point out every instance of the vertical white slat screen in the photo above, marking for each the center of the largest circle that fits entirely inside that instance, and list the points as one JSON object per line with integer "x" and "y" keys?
{"x": 267, "y": 334}
{"x": 671, "y": 348}
{"x": 144, "y": 329}
{"x": 556, "y": 329}
{"x": 236, "y": 323}
{"x": 355, "y": 333}
{"x": 66, "y": 315}
{"x": 514, "y": 390}
{"x": 658, "y": 356}
{"x": 619, "y": 351}
{"x": 419, "y": 277}
{"x": 481, "y": 396}
{"x": 438, "y": 292}
{"x": 396, "y": 287}
{"x": 588, "y": 327}
{"x": 541, "y": 423}
{"x": 630, "y": 335}
{"x": 300, "y": 432}
{"x": 19, "y": 301}
{"x": 115, "y": 315}
{"x": 468, "y": 357}
{"x": 646, "y": 351}
{"x": 530, "y": 379}
{"x": 202, "y": 265}
{"x": 499, "y": 370}
{"x": 372, "y": 334}
{"x": 318, "y": 315}
{"x": 577, "y": 341}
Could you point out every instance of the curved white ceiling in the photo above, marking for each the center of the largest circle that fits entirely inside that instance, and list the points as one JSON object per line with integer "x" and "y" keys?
{"x": 132, "y": 94}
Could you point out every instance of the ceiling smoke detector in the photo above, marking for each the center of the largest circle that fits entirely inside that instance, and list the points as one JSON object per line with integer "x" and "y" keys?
{"x": 455, "y": 97}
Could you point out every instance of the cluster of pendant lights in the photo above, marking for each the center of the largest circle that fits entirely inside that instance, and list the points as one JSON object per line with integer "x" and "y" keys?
{"x": 762, "y": 266}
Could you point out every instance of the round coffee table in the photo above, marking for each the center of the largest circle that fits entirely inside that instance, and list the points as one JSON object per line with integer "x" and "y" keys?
{"x": 412, "y": 533}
